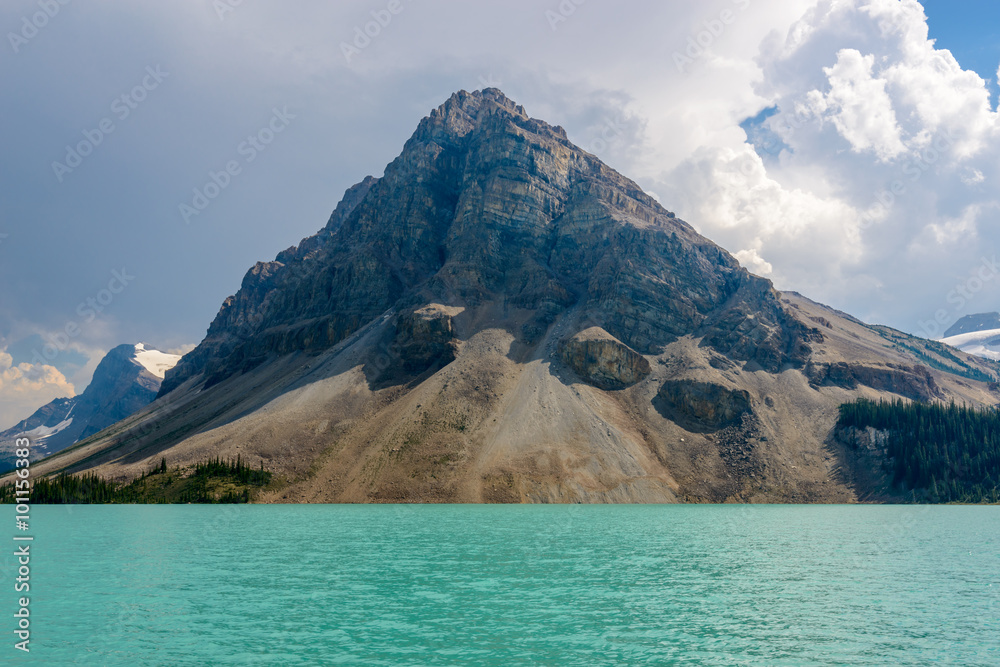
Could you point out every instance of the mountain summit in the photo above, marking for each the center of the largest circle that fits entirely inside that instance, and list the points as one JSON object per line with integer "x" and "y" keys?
{"x": 503, "y": 318}
{"x": 488, "y": 206}
{"x": 125, "y": 380}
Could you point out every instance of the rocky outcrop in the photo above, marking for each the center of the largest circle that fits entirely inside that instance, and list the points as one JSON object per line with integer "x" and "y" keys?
{"x": 604, "y": 361}
{"x": 869, "y": 440}
{"x": 914, "y": 382}
{"x": 425, "y": 338}
{"x": 702, "y": 406}
{"x": 756, "y": 329}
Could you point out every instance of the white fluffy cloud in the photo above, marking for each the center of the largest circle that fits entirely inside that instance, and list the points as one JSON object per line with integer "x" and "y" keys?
{"x": 885, "y": 198}
{"x": 25, "y": 387}
{"x": 859, "y": 106}
{"x": 753, "y": 261}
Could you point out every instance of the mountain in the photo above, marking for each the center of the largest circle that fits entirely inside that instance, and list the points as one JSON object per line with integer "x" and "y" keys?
{"x": 125, "y": 380}
{"x": 974, "y": 323}
{"x": 503, "y": 318}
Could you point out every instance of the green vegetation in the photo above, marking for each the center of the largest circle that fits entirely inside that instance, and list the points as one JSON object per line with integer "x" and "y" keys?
{"x": 212, "y": 481}
{"x": 950, "y": 453}
{"x": 935, "y": 354}
{"x": 235, "y": 470}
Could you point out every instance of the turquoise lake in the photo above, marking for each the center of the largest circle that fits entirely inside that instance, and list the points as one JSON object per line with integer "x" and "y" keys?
{"x": 510, "y": 585}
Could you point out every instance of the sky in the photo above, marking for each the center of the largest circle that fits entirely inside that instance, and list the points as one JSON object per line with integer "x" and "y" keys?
{"x": 152, "y": 152}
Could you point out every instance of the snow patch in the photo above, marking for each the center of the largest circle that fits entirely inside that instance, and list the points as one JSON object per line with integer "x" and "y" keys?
{"x": 980, "y": 343}
{"x": 42, "y": 432}
{"x": 154, "y": 361}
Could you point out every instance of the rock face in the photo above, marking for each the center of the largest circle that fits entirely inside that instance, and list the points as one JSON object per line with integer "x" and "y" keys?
{"x": 870, "y": 440}
{"x": 914, "y": 382}
{"x": 702, "y": 406}
{"x": 503, "y": 318}
{"x": 485, "y": 203}
{"x": 603, "y": 360}
{"x": 309, "y": 298}
{"x": 121, "y": 385}
{"x": 425, "y": 338}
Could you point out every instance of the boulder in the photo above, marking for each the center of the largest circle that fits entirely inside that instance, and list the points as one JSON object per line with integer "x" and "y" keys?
{"x": 604, "y": 361}
{"x": 425, "y": 337}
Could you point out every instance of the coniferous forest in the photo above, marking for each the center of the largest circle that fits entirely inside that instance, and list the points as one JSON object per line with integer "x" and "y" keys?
{"x": 212, "y": 481}
{"x": 948, "y": 453}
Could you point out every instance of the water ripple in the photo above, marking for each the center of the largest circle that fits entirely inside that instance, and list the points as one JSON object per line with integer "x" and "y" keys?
{"x": 514, "y": 585}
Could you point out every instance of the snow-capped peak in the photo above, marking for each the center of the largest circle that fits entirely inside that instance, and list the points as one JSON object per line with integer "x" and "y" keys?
{"x": 154, "y": 361}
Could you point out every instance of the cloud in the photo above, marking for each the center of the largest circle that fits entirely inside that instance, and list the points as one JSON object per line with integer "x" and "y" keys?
{"x": 750, "y": 259}
{"x": 859, "y": 106}
{"x": 74, "y": 357}
{"x": 884, "y": 191}
{"x": 950, "y": 231}
{"x": 731, "y": 198}
{"x": 972, "y": 176}
{"x": 182, "y": 349}
{"x": 25, "y": 387}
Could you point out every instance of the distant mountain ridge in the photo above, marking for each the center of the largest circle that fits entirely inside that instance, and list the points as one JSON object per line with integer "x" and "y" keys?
{"x": 125, "y": 380}
{"x": 973, "y": 323}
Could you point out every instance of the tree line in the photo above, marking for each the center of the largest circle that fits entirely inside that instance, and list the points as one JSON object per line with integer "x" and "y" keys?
{"x": 950, "y": 453}
{"x": 214, "y": 480}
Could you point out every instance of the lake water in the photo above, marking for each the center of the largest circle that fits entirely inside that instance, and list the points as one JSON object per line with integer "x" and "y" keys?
{"x": 510, "y": 585}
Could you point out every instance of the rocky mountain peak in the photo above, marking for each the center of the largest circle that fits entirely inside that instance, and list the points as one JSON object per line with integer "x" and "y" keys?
{"x": 486, "y": 206}
{"x": 463, "y": 112}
